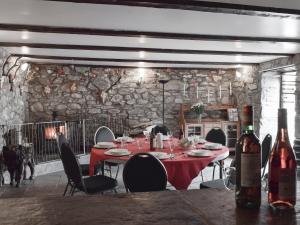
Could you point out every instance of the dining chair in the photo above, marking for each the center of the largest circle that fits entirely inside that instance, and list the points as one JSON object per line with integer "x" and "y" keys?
{"x": 266, "y": 147}
{"x": 216, "y": 135}
{"x": 61, "y": 139}
{"x": 160, "y": 129}
{"x": 143, "y": 172}
{"x": 266, "y": 150}
{"x": 89, "y": 185}
{"x": 104, "y": 134}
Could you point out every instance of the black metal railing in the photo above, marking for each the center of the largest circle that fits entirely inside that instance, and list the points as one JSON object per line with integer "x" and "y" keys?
{"x": 42, "y": 135}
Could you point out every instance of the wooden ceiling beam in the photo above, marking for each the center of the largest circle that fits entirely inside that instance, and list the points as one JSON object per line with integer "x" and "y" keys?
{"x": 140, "y": 49}
{"x": 140, "y": 34}
{"x": 49, "y": 57}
{"x": 204, "y": 6}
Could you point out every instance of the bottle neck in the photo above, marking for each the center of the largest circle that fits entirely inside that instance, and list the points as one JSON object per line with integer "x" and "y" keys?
{"x": 282, "y": 133}
{"x": 248, "y": 129}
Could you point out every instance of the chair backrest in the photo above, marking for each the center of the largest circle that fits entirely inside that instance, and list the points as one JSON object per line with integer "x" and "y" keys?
{"x": 71, "y": 166}
{"x": 216, "y": 135}
{"x": 144, "y": 172}
{"x": 104, "y": 134}
{"x": 60, "y": 139}
{"x": 160, "y": 129}
{"x": 266, "y": 149}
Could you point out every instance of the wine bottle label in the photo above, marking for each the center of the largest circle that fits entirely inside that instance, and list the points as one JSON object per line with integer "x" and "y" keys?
{"x": 287, "y": 184}
{"x": 250, "y": 170}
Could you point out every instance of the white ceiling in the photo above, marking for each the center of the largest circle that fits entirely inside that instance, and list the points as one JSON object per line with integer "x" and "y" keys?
{"x": 144, "y": 19}
{"x": 285, "y": 4}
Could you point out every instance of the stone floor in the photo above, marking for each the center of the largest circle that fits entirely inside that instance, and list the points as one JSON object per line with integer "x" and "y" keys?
{"x": 54, "y": 184}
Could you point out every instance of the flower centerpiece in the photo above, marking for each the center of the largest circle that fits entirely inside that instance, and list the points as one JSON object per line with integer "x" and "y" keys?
{"x": 198, "y": 109}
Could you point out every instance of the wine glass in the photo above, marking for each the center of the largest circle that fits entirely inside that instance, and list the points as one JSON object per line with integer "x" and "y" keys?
{"x": 171, "y": 146}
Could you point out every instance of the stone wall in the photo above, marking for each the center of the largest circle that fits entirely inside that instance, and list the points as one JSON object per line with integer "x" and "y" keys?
{"x": 76, "y": 92}
{"x": 13, "y": 104}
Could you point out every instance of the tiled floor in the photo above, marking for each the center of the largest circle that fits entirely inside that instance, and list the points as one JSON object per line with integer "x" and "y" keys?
{"x": 54, "y": 184}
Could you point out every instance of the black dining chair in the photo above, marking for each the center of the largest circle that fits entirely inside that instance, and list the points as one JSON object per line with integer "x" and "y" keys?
{"x": 161, "y": 129}
{"x": 216, "y": 135}
{"x": 89, "y": 185}
{"x": 143, "y": 172}
{"x": 266, "y": 147}
{"x": 265, "y": 154}
{"x": 61, "y": 139}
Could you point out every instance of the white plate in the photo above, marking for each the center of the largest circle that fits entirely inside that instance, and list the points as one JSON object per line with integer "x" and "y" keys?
{"x": 117, "y": 152}
{"x": 105, "y": 145}
{"x": 200, "y": 153}
{"x": 212, "y": 146}
{"x": 160, "y": 155}
{"x": 165, "y": 138}
{"x": 201, "y": 141}
{"x": 127, "y": 139}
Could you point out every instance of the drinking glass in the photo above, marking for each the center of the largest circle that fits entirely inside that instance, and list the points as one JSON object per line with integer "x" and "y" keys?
{"x": 138, "y": 143}
{"x": 229, "y": 180}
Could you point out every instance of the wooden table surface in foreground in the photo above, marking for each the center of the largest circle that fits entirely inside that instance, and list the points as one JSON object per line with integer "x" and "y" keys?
{"x": 203, "y": 207}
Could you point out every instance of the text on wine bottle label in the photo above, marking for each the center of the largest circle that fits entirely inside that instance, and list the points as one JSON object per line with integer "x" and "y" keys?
{"x": 287, "y": 183}
{"x": 250, "y": 170}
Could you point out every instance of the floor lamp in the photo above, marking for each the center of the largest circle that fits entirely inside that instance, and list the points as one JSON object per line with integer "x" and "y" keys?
{"x": 163, "y": 82}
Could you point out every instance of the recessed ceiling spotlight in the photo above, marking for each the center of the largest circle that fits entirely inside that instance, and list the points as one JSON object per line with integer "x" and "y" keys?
{"x": 24, "y": 66}
{"x": 142, "y": 54}
{"x": 238, "y": 44}
{"x": 24, "y": 49}
{"x": 25, "y": 35}
{"x": 141, "y": 64}
{"x": 142, "y": 39}
{"x": 238, "y": 58}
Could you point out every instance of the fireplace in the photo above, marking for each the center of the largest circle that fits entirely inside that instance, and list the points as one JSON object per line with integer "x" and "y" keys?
{"x": 50, "y": 132}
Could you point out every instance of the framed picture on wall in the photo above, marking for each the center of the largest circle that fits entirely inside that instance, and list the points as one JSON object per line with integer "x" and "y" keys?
{"x": 233, "y": 114}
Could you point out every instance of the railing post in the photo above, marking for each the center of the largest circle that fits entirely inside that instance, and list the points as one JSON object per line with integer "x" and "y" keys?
{"x": 83, "y": 135}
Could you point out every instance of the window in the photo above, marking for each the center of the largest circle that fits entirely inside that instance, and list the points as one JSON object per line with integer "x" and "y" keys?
{"x": 288, "y": 100}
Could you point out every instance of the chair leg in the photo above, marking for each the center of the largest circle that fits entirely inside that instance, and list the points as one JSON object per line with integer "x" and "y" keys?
{"x": 213, "y": 177}
{"x": 221, "y": 164}
{"x": 72, "y": 191}
{"x": 201, "y": 175}
{"x": 118, "y": 167}
{"x": 66, "y": 188}
{"x": 110, "y": 171}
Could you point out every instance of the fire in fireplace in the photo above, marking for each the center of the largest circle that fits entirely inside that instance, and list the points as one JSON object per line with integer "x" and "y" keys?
{"x": 50, "y": 132}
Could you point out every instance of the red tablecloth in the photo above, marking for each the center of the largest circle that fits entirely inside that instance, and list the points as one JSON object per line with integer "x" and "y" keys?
{"x": 181, "y": 170}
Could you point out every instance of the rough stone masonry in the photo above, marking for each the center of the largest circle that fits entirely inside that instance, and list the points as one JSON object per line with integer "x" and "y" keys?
{"x": 77, "y": 92}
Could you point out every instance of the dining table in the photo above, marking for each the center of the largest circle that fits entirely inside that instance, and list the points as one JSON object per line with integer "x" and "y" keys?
{"x": 181, "y": 168}
{"x": 192, "y": 207}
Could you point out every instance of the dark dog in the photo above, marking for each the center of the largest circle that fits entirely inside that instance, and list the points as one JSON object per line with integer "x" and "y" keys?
{"x": 28, "y": 160}
{"x": 14, "y": 161}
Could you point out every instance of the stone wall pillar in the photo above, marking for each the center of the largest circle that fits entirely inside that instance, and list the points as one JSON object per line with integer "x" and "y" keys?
{"x": 297, "y": 119}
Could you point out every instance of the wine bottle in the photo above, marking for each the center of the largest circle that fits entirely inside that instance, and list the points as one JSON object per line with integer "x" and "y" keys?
{"x": 152, "y": 137}
{"x": 282, "y": 168}
{"x": 248, "y": 165}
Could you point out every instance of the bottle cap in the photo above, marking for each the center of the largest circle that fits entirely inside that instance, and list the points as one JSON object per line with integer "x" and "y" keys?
{"x": 247, "y": 115}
